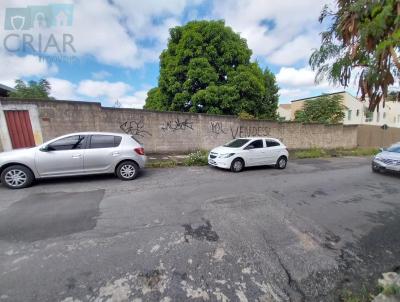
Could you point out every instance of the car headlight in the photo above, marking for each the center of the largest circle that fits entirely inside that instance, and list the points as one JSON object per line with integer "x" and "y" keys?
{"x": 226, "y": 155}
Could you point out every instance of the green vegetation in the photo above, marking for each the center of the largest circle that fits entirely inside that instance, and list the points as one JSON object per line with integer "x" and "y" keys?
{"x": 310, "y": 153}
{"x": 318, "y": 152}
{"x": 364, "y": 295}
{"x": 391, "y": 290}
{"x": 198, "y": 158}
{"x": 327, "y": 109}
{"x": 363, "y": 40}
{"x": 33, "y": 89}
{"x": 161, "y": 164}
{"x": 206, "y": 68}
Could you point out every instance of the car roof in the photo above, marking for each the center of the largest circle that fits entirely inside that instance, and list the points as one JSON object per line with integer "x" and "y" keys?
{"x": 259, "y": 137}
{"x": 96, "y": 133}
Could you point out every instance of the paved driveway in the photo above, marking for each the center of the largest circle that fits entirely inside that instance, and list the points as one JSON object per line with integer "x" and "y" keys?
{"x": 301, "y": 234}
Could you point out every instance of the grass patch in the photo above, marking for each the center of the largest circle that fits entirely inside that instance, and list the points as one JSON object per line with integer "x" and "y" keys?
{"x": 310, "y": 153}
{"x": 318, "y": 152}
{"x": 198, "y": 158}
{"x": 161, "y": 164}
{"x": 364, "y": 295}
{"x": 391, "y": 290}
{"x": 357, "y": 152}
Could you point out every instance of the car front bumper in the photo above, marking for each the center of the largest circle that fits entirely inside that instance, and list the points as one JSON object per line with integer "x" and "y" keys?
{"x": 383, "y": 166}
{"x": 224, "y": 163}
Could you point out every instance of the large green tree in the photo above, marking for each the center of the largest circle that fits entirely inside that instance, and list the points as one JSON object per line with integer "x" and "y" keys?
{"x": 33, "y": 89}
{"x": 324, "y": 109}
{"x": 206, "y": 68}
{"x": 363, "y": 41}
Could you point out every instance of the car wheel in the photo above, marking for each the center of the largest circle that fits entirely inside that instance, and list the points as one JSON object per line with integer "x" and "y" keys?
{"x": 127, "y": 170}
{"x": 17, "y": 177}
{"x": 237, "y": 165}
{"x": 281, "y": 162}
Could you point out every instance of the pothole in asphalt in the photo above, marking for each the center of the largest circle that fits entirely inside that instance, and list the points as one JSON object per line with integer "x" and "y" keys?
{"x": 201, "y": 232}
{"x": 47, "y": 215}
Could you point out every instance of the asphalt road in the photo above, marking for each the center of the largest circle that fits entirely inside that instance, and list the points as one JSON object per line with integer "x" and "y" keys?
{"x": 302, "y": 234}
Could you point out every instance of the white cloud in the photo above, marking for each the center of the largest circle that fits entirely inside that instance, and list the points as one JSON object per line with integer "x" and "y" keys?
{"x": 136, "y": 100}
{"x": 289, "y": 76}
{"x": 89, "y": 90}
{"x": 286, "y": 19}
{"x": 62, "y": 89}
{"x": 110, "y": 90}
{"x": 298, "y": 49}
{"x": 112, "y": 32}
{"x": 299, "y": 83}
{"x": 14, "y": 67}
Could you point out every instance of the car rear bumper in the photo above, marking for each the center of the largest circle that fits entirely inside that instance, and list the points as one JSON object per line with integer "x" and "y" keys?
{"x": 141, "y": 161}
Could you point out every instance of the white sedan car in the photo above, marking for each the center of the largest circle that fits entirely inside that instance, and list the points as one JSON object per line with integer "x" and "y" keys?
{"x": 387, "y": 159}
{"x": 247, "y": 152}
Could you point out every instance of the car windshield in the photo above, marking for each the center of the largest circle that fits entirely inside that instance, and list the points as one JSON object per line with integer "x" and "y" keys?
{"x": 237, "y": 143}
{"x": 395, "y": 148}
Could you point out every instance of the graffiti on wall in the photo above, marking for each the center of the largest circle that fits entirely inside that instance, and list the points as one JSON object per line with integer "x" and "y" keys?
{"x": 177, "y": 124}
{"x": 135, "y": 127}
{"x": 245, "y": 131}
{"x": 217, "y": 128}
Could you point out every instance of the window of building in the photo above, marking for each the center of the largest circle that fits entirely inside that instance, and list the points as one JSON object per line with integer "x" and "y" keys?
{"x": 348, "y": 115}
{"x": 369, "y": 116}
{"x": 358, "y": 112}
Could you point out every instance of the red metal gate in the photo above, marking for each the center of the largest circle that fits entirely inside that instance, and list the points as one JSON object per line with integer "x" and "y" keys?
{"x": 20, "y": 128}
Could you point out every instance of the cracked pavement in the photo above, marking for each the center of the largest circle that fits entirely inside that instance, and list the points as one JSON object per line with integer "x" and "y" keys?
{"x": 198, "y": 233}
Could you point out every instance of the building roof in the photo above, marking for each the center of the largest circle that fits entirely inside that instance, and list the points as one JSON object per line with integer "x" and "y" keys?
{"x": 285, "y": 106}
{"x": 4, "y": 90}
{"x": 313, "y": 97}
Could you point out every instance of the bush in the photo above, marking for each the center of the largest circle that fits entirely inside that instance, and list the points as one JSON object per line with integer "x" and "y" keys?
{"x": 198, "y": 158}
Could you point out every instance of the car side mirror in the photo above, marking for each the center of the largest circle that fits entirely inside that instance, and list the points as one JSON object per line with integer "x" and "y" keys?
{"x": 249, "y": 147}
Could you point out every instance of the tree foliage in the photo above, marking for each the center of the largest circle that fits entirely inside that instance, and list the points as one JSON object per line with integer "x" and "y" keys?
{"x": 33, "y": 89}
{"x": 206, "y": 68}
{"x": 364, "y": 38}
{"x": 324, "y": 109}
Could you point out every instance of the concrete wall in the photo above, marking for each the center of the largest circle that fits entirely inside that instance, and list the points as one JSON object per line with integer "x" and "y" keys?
{"x": 178, "y": 132}
{"x": 374, "y": 136}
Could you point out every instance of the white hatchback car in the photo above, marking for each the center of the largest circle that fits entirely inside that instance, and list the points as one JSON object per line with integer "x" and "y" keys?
{"x": 250, "y": 151}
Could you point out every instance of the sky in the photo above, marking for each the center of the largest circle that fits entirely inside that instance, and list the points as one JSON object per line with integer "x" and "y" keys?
{"x": 115, "y": 47}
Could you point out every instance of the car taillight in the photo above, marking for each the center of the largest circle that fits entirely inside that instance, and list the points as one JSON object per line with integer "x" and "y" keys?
{"x": 139, "y": 151}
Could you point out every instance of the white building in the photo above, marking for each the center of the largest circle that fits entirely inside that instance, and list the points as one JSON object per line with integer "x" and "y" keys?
{"x": 356, "y": 112}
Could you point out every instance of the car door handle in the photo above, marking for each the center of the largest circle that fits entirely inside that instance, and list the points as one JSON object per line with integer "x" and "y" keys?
{"x": 77, "y": 156}
{"x": 116, "y": 154}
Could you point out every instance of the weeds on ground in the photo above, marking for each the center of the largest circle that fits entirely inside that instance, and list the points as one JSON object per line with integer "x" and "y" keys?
{"x": 198, "y": 158}
{"x": 317, "y": 152}
{"x": 310, "y": 153}
{"x": 364, "y": 295}
{"x": 357, "y": 152}
{"x": 161, "y": 164}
